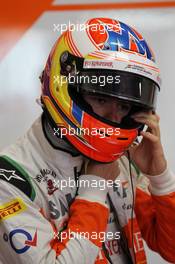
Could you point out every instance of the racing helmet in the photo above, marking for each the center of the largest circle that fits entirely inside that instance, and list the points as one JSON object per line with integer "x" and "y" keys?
{"x": 75, "y": 66}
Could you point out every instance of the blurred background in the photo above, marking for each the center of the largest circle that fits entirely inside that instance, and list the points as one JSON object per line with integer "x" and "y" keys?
{"x": 28, "y": 30}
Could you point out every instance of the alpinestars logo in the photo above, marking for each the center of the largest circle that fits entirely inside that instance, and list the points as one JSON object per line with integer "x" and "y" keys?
{"x": 9, "y": 174}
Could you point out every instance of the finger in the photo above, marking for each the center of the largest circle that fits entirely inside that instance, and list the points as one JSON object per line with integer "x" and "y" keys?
{"x": 151, "y": 137}
{"x": 153, "y": 126}
{"x": 151, "y": 123}
{"x": 142, "y": 113}
{"x": 151, "y": 116}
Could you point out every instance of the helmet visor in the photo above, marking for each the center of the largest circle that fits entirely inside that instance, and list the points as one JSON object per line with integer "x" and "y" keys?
{"x": 127, "y": 86}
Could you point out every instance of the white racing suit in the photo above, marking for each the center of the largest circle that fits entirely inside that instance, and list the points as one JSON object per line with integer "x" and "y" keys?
{"x": 47, "y": 216}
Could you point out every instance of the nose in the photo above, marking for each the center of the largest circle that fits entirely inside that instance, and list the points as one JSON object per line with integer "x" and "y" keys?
{"x": 114, "y": 114}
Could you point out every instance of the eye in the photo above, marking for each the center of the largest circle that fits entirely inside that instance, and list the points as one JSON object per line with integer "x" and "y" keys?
{"x": 124, "y": 108}
{"x": 101, "y": 101}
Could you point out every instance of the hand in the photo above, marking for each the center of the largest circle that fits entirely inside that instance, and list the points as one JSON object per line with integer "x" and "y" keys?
{"x": 108, "y": 171}
{"x": 149, "y": 154}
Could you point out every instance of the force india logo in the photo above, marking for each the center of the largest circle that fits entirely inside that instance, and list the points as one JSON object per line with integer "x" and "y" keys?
{"x": 11, "y": 209}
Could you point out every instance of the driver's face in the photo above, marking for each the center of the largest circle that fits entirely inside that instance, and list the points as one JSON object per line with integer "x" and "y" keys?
{"x": 108, "y": 107}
